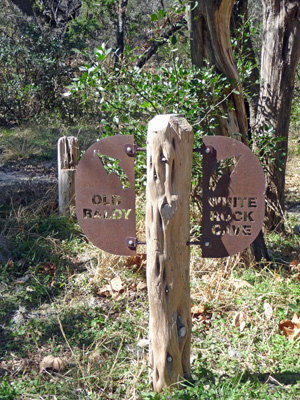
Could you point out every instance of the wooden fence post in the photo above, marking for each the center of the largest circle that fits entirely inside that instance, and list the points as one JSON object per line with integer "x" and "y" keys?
{"x": 67, "y": 158}
{"x": 169, "y": 165}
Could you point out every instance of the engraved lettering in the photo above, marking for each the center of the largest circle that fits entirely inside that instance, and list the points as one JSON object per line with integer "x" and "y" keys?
{"x": 126, "y": 213}
{"x": 87, "y": 213}
{"x": 237, "y": 216}
{"x": 247, "y": 230}
{"x": 252, "y": 202}
{"x": 242, "y": 199}
{"x": 105, "y": 202}
{"x": 248, "y": 216}
{"x": 233, "y": 202}
{"x": 96, "y": 199}
{"x": 97, "y": 214}
{"x": 217, "y": 230}
{"x": 117, "y": 214}
{"x": 115, "y": 199}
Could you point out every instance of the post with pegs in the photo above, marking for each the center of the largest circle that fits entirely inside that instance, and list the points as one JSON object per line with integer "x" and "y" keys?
{"x": 169, "y": 165}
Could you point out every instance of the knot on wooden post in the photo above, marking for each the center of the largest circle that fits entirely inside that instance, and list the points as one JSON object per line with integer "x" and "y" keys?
{"x": 168, "y": 210}
{"x": 169, "y": 164}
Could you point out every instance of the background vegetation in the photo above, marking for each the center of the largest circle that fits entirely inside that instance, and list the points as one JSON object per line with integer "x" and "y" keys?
{"x": 59, "y": 295}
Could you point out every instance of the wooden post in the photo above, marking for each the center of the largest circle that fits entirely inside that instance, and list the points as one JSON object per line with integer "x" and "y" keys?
{"x": 67, "y": 158}
{"x": 169, "y": 165}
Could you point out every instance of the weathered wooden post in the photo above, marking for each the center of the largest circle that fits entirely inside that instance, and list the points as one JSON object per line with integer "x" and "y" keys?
{"x": 67, "y": 159}
{"x": 169, "y": 164}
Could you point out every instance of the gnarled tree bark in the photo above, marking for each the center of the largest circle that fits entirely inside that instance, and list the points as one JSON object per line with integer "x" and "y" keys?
{"x": 279, "y": 59}
{"x": 209, "y": 23}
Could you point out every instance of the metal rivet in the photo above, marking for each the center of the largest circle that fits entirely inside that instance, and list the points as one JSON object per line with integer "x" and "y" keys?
{"x": 128, "y": 149}
{"x": 207, "y": 150}
{"x": 130, "y": 242}
{"x": 207, "y": 244}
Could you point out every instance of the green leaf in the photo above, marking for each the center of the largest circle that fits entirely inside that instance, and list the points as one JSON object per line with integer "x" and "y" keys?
{"x": 154, "y": 17}
{"x": 293, "y": 307}
{"x": 161, "y": 13}
{"x": 77, "y": 51}
{"x": 174, "y": 39}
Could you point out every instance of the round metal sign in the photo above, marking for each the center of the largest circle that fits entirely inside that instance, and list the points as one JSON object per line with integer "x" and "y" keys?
{"x": 105, "y": 195}
{"x": 233, "y": 197}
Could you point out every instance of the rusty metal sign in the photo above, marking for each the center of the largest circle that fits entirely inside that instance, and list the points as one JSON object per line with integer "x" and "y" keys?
{"x": 105, "y": 195}
{"x": 233, "y": 197}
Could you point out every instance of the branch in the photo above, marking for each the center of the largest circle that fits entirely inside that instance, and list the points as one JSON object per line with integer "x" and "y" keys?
{"x": 160, "y": 41}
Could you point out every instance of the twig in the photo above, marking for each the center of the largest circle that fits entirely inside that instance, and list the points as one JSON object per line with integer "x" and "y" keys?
{"x": 213, "y": 107}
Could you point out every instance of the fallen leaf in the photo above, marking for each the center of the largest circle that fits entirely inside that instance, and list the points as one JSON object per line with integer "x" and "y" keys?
{"x": 142, "y": 285}
{"x": 22, "y": 280}
{"x": 48, "y": 268}
{"x": 51, "y": 362}
{"x": 105, "y": 291}
{"x": 290, "y": 328}
{"x": 242, "y": 326}
{"x": 268, "y": 310}
{"x": 239, "y": 320}
{"x": 114, "y": 288}
{"x": 277, "y": 277}
{"x": 196, "y": 310}
{"x": 139, "y": 261}
{"x": 239, "y": 284}
{"x": 294, "y": 266}
{"x": 199, "y": 314}
{"x": 296, "y": 276}
{"x": 117, "y": 284}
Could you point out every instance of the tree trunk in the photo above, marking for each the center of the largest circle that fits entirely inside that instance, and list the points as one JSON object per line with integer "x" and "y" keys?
{"x": 210, "y": 39}
{"x": 239, "y": 21}
{"x": 279, "y": 59}
{"x": 120, "y": 31}
{"x": 169, "y": 165}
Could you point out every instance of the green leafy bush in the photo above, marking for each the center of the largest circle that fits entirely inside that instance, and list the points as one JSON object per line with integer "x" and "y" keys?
{"x": 33, "y": 71}
{"x": 126, "y": 99}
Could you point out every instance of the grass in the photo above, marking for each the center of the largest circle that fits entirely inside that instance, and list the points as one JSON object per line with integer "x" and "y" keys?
{"x": 39, "y": 142}
{"x": 54, "y": 301}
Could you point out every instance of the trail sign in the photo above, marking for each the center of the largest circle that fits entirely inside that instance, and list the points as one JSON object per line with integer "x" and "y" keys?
{"x": 233, "y": 213}
{"x": 105, "y": 195}
{"x": 233, "y": 197}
